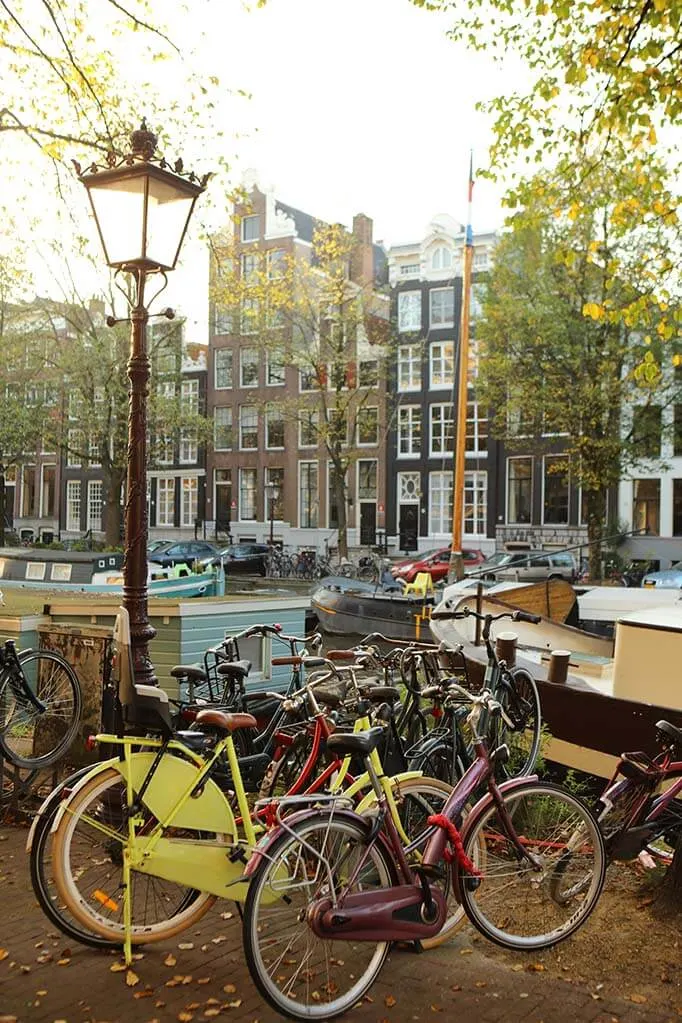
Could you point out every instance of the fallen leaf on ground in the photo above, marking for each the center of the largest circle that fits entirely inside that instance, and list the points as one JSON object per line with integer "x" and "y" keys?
{"x": 226, "y": 916}
{"x": 389, "y": 1001}
{"x": 229, "y": 989}
{"x": 234, "y": 1005}
{"x": 147, "y": 993}
{"x": 465, "y": 951}
{"x": 436, "y": 1008}
{"x": 638, "y": 999}
{"x": 456, "y": 987}
{"x": 3, "y": 955}
{"x": 219, "y": 939}
{"x": 170, "y": 960}
{"x": 132, "y": 978}
{"x": 203, "y": 980}
{"x": 535, "y": 967}
{"x": 63, "y": 962}
{"x": 480, "y": 983}
{"x": 118, "y": 967}
{"x": 185, "y": 1017}
{"x": 211, "y": 1012}
{"x": 184, "y": 945}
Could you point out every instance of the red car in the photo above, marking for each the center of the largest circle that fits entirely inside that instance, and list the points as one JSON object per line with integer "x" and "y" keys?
{"x": 436, "y": 563}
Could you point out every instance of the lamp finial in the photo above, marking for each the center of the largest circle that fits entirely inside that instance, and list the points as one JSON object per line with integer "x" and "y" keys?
{"x": 143, "y": 142}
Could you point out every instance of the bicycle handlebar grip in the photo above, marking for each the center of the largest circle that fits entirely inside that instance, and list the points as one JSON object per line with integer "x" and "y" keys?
{"x": 341, "y": 655}
{"x": 287, "y": 660}
{"x": 314, "y": 662}
{"x": 526, "y": 616}
{"x": 450, "y": 615}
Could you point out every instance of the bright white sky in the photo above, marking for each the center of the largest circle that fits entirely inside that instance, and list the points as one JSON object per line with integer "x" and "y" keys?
{"x": 358, "y": 106}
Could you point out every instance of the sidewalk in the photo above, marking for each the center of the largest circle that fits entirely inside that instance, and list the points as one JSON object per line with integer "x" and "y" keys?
{"x": 44, "y": 978}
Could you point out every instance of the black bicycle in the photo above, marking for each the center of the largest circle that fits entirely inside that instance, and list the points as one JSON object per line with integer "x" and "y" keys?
{"x": 40, "y": 706}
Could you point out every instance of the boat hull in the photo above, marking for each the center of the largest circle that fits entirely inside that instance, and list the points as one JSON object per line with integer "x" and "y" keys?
{"x": 355, "y": 609}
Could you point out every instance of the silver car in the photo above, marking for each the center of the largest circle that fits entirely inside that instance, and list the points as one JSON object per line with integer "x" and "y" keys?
{"x": 669, "y": 579}
{"x": 527, "y": 566}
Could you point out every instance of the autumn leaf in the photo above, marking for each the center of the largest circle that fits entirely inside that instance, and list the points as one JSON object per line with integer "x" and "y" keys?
{"x": 229, "y": 989}
{"x": 170, "y": 960}
{"x": 638, "y": 999}
{"x": 185, "y": 1017}
{"x": 147, "y": 993}
{"x": 204, "y": 980}
{"x": 185, "y": 945}
{"x": 389, "y": 1001}
{"x": 132, "y": 978}
{"x": 3, "y": 955}
{"x": 118, "y": 967}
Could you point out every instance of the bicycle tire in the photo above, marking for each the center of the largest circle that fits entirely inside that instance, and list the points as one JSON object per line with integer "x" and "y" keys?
{"x": 86, "y": 899}
{"x": 59, "y": 690}
{"x": 511, "y": 903}
{"x": 520, "y": 700}
{"x": 266, "y": 916}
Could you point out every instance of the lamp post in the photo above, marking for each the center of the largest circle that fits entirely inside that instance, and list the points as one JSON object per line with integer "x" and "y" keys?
{"x": 142, "y": 208}
{"x": 272, "y": 490}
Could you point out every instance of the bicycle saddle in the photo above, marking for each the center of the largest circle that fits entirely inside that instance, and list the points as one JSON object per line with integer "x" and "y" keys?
{"x": 225, "y": 722}
{"x": 670, "y": 732}
{"x": 187, "y": 671}
{"x": 234, "y": 669}
{"x": 327, "y": 696}
{"x": 380, "y": 694}
{"x": 356, "y": 742}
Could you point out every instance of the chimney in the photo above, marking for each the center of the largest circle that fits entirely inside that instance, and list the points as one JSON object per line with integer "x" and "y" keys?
{"x": 362, "y": 259}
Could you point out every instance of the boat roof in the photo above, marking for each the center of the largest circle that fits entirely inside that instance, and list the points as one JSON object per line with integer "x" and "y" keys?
{"x": 657, "y": 617}
{"x": 610, "y": 603}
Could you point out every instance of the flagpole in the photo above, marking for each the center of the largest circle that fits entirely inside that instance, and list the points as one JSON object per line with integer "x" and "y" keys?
{"x": 456, "y": 570}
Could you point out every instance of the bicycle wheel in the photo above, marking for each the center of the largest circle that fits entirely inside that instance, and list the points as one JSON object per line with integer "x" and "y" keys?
{"x": 281, "y": 775}
{"x": 297, "y": 973}
{"x": 515, "y": 903}
{"x": 32, "y": 736}
{"x": 87, "y": 860}
{"x": 518, "y": 695}
{"x": 438, "y": 758}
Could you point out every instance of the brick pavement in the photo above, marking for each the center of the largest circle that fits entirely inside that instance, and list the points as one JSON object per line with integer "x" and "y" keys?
{"x": 46, "y": 978}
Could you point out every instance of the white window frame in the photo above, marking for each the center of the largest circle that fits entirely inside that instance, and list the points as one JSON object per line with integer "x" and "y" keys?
{"x": 273, "y": 414}
{"x": 248, "y": 262}
{"x": 244, "y": 363}
{"x": 43, "y": 513}
{"x": 519, "y": 458}
{"x": 249, "y": 313}
{"x": 440, "y": 511}
{"x": 312, "y": 413}
{"x": 476, "y": 497}
{"x": 189, "y": 447}
{"x": 272, "y": 365}
{"x": 409, "y": 426}
{"x": 249, "y": 220}
{"x": 410, "y": 358}
{"x": 438, "y": 324}
{"x": 189, "y": 500}
{"x": 313, "y": 524}
{"x": 223, "y": 425}
{"x": 409, "y": 302}
{"x": 245, "y": 413}
{"x": 219, "y": 353}
{"x": 75, "y": 438}
{"x": 367, "y": 443}
{"x": 550, "y": 460}
{"x": 281, "y": 256}
{"x": 441, "y": 421}
{"x": 95, "y": 521}
{"x": 252, "y": 474}
{"x": 165, "y": 507}
{"x": 438, "y": 260}
{"x": 475, "y": 422}
{"x": 439, "y": 377}
{"x": 73, "y": 506}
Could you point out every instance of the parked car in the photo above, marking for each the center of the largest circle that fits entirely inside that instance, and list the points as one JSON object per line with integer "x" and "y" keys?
{"x": 435, "y": 562}
{"x": 527, "y": 566}
{"x": 241, "y": 557}
{"x": 184, "y": 552}
{"x": 668, "y": 579}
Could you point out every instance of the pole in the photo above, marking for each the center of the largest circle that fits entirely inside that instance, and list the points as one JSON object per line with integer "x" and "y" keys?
{"x": 456, "y": 570}
{"x": 135, "y": 558}
{"x": 272, "y": 519}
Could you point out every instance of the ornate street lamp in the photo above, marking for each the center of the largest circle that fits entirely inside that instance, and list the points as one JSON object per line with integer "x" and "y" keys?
{"x": 272, "y": 490}
{"x": 142, "y": 208}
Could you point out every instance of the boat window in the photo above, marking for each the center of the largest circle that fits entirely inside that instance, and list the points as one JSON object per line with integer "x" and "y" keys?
{"x": 35, "y": 570}
{"x": 61, "y": 573}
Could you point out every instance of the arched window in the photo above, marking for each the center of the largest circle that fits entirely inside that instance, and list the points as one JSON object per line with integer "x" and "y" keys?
{"x": 441, "y": 258}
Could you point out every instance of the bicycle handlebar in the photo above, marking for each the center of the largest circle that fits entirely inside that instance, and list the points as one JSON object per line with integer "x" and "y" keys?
{"x": 468, "y": 612}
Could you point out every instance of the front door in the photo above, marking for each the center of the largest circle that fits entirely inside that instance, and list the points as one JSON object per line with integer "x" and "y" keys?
{"x": 407, "y": 527}
{"x": 368, "y": 523}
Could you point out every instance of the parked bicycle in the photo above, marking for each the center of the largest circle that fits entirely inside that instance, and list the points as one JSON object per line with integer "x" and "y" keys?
{"x": 330, "y": 891}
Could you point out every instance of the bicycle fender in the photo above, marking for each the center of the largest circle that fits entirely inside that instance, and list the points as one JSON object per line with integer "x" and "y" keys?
{"x": 481, "y": 807}
{"x": 424, "y": 748}
{"x": 363, "y": 782}
{"x": 54, "y": 796}
{"x": 102, "y": 765}
{"x": 261, "y": 850}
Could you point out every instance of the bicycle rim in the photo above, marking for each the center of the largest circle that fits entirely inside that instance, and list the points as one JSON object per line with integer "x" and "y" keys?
{"x": 87, "y": 856}
{"x": 513, "y": 903}
{"x": 31, "y": 737}
{"x": 298, "y": 974}
{"x": 522, "y": 704}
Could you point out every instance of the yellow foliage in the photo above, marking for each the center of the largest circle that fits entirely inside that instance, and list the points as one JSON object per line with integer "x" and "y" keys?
{"x": 593, "y": 310}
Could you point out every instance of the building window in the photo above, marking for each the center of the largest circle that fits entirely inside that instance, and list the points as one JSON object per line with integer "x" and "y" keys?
{"x": 223, "y": 368}
{"x": 248, "y": 367}
{"x": 165, "y": 450}
{"x": 441, "y": 258}
{"x": 476, "y": 302}
{"x": 76, "y": 443}
{"x": 189, "y": 492}
{"x": 440, "y": 503}
{"x": 274, "y": 429}
{"x": 409, "y": 310}
{"x": 409, "y": 431}
{"x": 248, "y": 427}
{"x": 442, "y": 429}
{"x": 646, "y": 431}
{"x": 165, "y": 501}
{"x": 677, "y": 507}
{"x": 28, "y": 492}
{"x": 555, "y": 491}
{"x": 249, "y": 318}
{"x": 308, "y": 380}
{"x": 274, "y": 371}
{"x": 409, "y": 487}
{"x": 442, "y": 364}
{"x": 476, "y": 441}
{"x": 367, "y": 479}
{"x": 519, "y": 489}
{"x": 277, "y": 261}
{"x": 368, "y": 373}
{"x": 222, "y": 320}
{"x": 677, "y": 430}
{"x": 73, "y": 505}
{"x": 442, "y": 307}
{"x": 247, "y": 494}
{"x": 368, "y": 426}
{"x": 475, "y": 503}
{"x": 647, "y": 506}
{"x": 409, "y": 368}
{"x": 480, "y": 260}
{"x": 189, "y": 447}
{"x": 249, "y": 265}
{"x": 250, "y": 228}
{"x": 95, "y": 506}
{"x": 308, "y": 427}
{"x": 409, "y": 269}
{"x": 308, "y": 500}
{"x": 222, "y": 429}
{"x": 48, "y": 492}
{"x": 94, "y": 458}
{"x": 275, "y": 506}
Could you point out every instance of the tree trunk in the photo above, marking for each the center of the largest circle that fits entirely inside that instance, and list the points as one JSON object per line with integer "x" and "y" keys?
{"x": 671, "y": 889}
{"x": 111, "y": 506}
{"x": 596, "y": 506}
{"x": 340, "y": 498}
{"x": 2, "y": 505}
